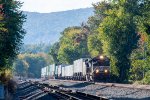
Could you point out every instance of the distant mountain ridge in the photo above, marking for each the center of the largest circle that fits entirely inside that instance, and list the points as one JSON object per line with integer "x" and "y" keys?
{"x": 46, "y": 27}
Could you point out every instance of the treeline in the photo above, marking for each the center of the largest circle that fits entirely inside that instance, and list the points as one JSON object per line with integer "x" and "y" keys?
{"x": 29, "y": 65}
{"x": 31, "y": 59}
{"x": 35, "y": 48}
{"x": 119, "y": 29}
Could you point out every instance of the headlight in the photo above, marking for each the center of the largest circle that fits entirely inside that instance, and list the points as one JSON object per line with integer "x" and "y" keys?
{"x": 105, "y": 71}
{"x": 101, "y": 57}
{"x": 97, "y": 71}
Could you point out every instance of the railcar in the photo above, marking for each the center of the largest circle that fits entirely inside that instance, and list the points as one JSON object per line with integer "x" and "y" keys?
{"x": 79, "y": 69}
{"x": 43, "y": 73}
{"x": 60, "y": 71}
{"x": 69, "y": 72}
{"x": 48, "y": 72}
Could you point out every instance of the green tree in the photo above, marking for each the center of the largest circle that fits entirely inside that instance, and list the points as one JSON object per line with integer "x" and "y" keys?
{"x": 146, "y": 79}
{"x": 11, "y": 31}
{"x": 140, "y": 57}
{"x": 100, "y": 9}
{"x": 73, "y": 45}
{"x": 11, "y": 35}
{"x": 119, "y": 36}
{"x": 21, "y": 67}
{"x": 94, "y": 43}
{"x": 54, "y": 52}
{"x": 30, "y": 64}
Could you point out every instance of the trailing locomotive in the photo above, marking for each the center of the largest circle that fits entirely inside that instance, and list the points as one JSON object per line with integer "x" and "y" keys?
{"x": 89, "y": 69}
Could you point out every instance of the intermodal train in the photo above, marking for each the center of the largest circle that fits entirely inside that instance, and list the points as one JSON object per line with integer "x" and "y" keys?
{"x": 87, "y": 69}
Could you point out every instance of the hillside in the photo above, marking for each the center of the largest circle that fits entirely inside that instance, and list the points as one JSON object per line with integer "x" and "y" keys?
{"x": 46, "y": 27}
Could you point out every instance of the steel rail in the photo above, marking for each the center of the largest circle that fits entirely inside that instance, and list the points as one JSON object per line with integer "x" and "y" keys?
{"x": 68, "y": 94}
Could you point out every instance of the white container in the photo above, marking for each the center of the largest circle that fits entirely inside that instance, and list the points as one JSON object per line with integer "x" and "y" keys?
{"x": 79, "y": 66}
{"x": 47, "y": 71}
{"x": 51, "y": 71}
{"x": 56, "y": 70}
{"x": 63, "y": 71}
{"x": 69, "y": 70}
{"x": 60, "y": 70}
{"x": 43, "y": 72}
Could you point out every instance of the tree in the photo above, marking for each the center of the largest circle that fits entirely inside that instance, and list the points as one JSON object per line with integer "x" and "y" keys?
{"x": 141, "y": 56}
{"x": 54, "y": 52}
{"x": 73, "y": 45}
{"x": 11, "y": 31}
{"x": 21, "y": 67}
{"x": 94, "y": 43}
{"x": 100, "y": 9}
{"x": 119, "y": 36}
{"x": 30, "y": 64}
{"x": 11, "y": 35}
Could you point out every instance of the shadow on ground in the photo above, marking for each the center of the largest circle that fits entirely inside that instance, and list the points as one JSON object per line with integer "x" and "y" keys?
{"x": 78, "y": 85}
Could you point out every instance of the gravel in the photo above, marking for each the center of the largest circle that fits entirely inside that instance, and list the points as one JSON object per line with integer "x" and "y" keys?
{"x": 112, "y": 93}
{"x": 29, "y": 92}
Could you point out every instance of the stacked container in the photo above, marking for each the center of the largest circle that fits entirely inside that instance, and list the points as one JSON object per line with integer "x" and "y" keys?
{"x": 59, "y": 71}
{"x": 79, "y": 66}
{"x": 47, "y": 71}
{"x": 63, "y": 71}
{"x": 69, "y": 70}
{"x": 56, "y": 71}
{"x": 43, "y": 72}
{"x": 51, "y": 71}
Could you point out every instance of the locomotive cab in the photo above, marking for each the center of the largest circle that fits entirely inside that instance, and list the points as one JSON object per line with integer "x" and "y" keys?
{"x": 98, "y": 68}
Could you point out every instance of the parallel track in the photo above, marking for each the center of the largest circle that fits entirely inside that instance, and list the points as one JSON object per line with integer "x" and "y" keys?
{"x": 62, "y": 94}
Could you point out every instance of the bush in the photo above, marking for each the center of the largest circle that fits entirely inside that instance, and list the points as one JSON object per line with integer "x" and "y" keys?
{"x": 146, "y": 79}
{"x": 12, "y": 86}
{"x": 5, "y": 76}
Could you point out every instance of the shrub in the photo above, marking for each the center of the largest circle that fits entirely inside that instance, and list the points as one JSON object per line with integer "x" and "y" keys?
{"x": 146, "y": 79}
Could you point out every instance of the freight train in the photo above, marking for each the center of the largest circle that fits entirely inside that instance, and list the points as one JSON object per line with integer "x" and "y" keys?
{"x": 89, "y": 69}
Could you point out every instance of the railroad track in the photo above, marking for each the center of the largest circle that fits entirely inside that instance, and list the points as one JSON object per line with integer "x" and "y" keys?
{"x": 63, "y": 94}
{"x": 41, "y": 91}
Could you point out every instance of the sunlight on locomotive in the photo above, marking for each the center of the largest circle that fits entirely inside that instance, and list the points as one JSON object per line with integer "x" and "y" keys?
{"x": 105, "y": 71}
{"x": 97, "y": 71}
{"x": 101, "y": 57}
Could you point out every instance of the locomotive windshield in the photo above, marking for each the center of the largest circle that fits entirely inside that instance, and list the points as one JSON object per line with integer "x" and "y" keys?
{"x": 100, "y": 62}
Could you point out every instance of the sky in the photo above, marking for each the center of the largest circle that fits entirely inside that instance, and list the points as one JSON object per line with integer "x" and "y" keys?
{"x": 46, "y": 6}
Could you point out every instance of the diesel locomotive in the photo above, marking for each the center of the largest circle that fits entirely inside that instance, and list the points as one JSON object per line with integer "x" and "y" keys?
{"x": 98, "y": 68}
